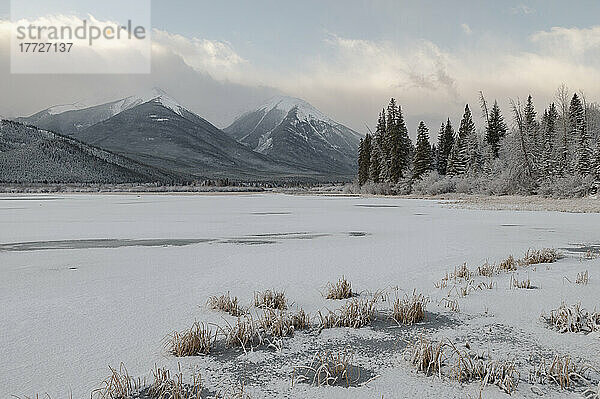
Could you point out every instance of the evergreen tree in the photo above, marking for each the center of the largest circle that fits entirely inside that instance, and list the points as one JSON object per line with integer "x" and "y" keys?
{"x": 465, "y": 149}
{"x": 531, "y": 127}
{"x": 434, "y": 157}
{"x": 597, "y": 168}
{"x": 445, "y": 143}
{"x": 496, "y": 129}
{"x": 579, "y": 129}
{"x": 377, "y": 163}
{"x": 364, "y": 159}
{"x": 422, "y": 160}
{"x": 397, "y": 140}
{"x": 549, "y": 122}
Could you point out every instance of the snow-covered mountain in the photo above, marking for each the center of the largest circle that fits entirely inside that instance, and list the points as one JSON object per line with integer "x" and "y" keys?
{"x": 70, "y": 118}
{"x": 292, "y": 130}
{"x": 32, "y": 155}
{"x": 164, "y": 134}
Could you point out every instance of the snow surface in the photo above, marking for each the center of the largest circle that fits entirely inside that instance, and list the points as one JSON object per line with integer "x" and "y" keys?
{"x": 69, "y": 313}
{"x": 305, "y": 111}
{"x": 59, "y": 109}
{"x": 155, "y": 94}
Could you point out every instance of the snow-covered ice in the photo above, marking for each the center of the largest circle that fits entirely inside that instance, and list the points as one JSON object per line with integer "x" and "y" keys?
{"x": 94, "y": 280}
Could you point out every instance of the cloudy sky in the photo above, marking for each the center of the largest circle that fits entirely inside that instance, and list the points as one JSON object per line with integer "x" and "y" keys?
{"x": 346, "y": 57}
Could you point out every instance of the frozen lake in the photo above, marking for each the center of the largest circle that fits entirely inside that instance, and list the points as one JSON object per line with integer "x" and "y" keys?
{"x": 88, "y": 281}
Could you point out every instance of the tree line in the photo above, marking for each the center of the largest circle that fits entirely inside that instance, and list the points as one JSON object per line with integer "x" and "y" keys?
{"x": 537, "y": 149}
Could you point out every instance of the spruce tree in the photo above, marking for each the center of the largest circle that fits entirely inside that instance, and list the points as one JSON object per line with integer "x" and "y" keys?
{"x": 364, "y": 159}
{"x": 597, "y": 168}
{"x": 361, "y": 148}
{"x": 377, "y": 164}
{"x": 549, "y": 122}
{"x": 445, "y": 143}
{"x": 496, "y": 129}
{"x": 531, "y": 127}
{"x": 464, "y": 150}
{"x": 579, "y": 129}
{"x": 434, "y": 157}
{"x": 422, "y": 159}
{"x": 397, "y": 142}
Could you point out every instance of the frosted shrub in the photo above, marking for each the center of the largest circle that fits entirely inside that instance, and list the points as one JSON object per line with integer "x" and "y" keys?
{"x": 573, "y": 186}
{"x": 433, "y": 183}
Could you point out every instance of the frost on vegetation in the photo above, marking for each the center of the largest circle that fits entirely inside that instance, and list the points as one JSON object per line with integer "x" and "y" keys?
{"x": 444, "y": 359}
{"x": 342, "y": 289}
{"x": 328, "y": 368}
{"x": 573, "y": 319}
{"x": 354, "y": 313}
{"x": 164, "y": 385}
{"x": 562, "y": 371}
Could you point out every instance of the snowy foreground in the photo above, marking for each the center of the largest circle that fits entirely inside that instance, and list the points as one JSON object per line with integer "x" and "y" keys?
{"x": 88, "y": 281}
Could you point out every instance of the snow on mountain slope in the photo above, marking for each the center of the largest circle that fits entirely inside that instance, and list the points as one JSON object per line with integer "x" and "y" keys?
{"x": 292, "y": 130}
{"x": 164, "y": 134}
{"x": 70, "y": 118}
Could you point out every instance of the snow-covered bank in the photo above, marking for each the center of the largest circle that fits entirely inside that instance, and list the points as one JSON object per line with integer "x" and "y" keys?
{"x": 72, "y": 305}
{"x": 590, "y": 204}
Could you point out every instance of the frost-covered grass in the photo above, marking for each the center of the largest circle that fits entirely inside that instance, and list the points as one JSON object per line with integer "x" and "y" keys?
{"x": 573, "y": 319}
{"x": 270, "y": 300}
{"x": 226, "y": 303}
{"x": 355, "y": 313}
{"x": 197, "y": 340}
{"x": 327, "y": 368}
{"x": 342, "y": 289}
{"x": 410, "y": 309}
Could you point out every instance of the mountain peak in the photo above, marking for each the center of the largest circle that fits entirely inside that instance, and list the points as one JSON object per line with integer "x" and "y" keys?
{"x": 305, "y": 111}
{"x": 156, "y": 94}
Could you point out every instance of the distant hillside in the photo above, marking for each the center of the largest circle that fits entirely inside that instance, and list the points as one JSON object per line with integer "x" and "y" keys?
{"x": 32, "y": 155}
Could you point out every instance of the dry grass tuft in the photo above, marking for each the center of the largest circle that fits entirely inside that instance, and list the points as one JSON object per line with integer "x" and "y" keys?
{"x": 118, "y": 386}
{"x": 276, "y": 324}
{"x": 244, "y": 333}
{"x": 573, "y": 319}
{"x": 300, "y": 320}
{"x": 226, "y": 303}
{"x": 198, "y": 340}
{"x": 410, "y": 309}
{"x": 450, "y": 304}
{"x": 426, "y": 356}
{"x": 469, "y": 367}
{"x": 167, "y": 387}
{"x": 340, "y": 290}
{"x": 537, "y": 256}
{"x": 462, "y": 272}
{"x": 354, "y": 314}
{"x": 327, "y": 369}
{"x": 583, "y": 278}
{"x": 270, "y": 300}
{"x": 524, "y": 284}
{"x": 563, "y": 371}
{"x": 444, "y": 358}
{"x": 508, "y": 265}
{"x": 487, "y": 270}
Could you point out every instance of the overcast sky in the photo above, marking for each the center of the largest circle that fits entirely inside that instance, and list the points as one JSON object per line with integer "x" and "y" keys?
{"x": 345, "y": 57}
